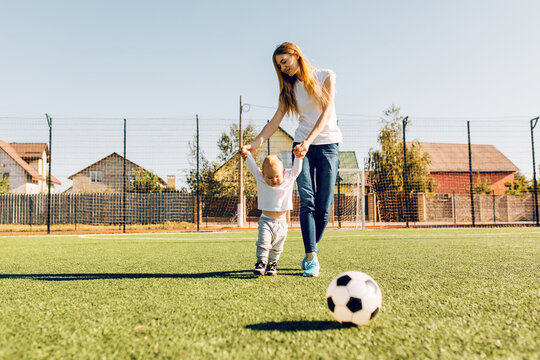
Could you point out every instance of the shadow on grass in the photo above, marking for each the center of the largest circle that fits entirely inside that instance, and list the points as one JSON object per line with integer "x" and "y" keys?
{"x": 239, "y": 274}
{"x": 290, "y": 326}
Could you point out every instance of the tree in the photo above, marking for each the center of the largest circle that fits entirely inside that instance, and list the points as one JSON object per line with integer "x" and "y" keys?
{"x": 386, "y": 165}
{"x": 519, "y": 186}
{"x": 482, "y": 186}
{"x": 228, "y": 143}
{"x": 226, "y": 185}
{"x": 144, "y": 181}
{"x": 4, "y": 184}
{"x": 208, "y": 185}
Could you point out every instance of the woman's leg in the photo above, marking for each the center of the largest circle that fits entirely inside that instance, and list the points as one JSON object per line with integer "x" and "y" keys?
{"x": 326, "y": 170}
{"x": 306, "y": 190}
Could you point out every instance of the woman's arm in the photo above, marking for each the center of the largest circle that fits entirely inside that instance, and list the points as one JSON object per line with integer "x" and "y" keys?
{"x": 267, "y": 131}
{"x": 328, "y": 87}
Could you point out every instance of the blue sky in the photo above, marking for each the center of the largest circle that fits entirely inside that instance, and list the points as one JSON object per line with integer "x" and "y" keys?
{"x": 441, "y": 62}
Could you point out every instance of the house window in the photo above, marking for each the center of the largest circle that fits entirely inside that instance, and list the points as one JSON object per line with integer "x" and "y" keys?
{"x": 286, "y": 159}
{"x": 4, "y": 175}
{"x": 96, "y": 176}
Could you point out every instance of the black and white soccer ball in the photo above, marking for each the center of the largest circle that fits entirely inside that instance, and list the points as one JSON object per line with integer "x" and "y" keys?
{"x": 353, "y": 298}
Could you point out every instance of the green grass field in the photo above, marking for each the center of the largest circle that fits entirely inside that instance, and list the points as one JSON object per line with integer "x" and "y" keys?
{"x": 447, "y": 293}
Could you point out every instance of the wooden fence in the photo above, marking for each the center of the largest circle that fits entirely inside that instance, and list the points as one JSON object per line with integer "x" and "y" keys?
{"x": 149, "y": 208}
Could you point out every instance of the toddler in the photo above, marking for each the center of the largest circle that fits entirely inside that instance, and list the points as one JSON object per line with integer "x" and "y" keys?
{"x": 274, "y": 196}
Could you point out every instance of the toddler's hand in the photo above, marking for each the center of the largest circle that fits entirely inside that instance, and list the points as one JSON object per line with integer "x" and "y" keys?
{"x": 301, "y": 150}
{"x": 244, "y": 150}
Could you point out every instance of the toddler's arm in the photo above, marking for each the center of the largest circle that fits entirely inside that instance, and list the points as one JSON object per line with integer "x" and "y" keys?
{"x": 252, "y": 166}
{"x": 297, "y": 167}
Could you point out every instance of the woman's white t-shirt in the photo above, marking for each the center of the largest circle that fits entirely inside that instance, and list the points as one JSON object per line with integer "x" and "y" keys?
{"x": 309, "y": 112}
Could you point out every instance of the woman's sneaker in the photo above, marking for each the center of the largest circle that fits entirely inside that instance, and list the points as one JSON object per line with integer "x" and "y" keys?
{"x": 312, "y": 267}
{"x": 260, "y": 268}
{"x": 304, "y": 261}
{"x": 271, "y": 269}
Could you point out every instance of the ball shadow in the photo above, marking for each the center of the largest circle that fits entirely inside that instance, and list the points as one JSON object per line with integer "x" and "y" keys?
{"x": 291, "y": 326}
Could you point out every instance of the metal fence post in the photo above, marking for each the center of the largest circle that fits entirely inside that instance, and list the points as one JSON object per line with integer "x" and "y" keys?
{"x": 405, "y": 180}
{"x": 494, "y": 214}
{"x": 470, "y": 174}
{"x": 124, "y": 187}
{"x": 49, "y": 175}
{"x": 363, "y": 199}
{"x": 339, "y": 200}
{"x": 198, "y": 184}
{"x": 533, "y": 125}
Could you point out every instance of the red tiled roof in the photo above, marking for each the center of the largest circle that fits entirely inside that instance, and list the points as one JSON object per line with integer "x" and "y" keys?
{"x": 455, "y": 158}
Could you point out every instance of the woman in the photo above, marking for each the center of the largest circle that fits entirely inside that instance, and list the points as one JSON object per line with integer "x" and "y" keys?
{"x": 308, "y": 93}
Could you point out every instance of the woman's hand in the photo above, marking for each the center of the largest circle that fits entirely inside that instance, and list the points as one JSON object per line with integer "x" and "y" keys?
{"x": 301, "y": 149}
{"x": 244, "y": 150}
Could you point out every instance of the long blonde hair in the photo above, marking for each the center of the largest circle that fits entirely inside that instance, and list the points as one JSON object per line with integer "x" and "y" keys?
{"x": 305, "y": 74}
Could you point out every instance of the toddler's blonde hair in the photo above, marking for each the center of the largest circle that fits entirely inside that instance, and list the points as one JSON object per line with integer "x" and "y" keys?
{"x": 272, "y": 161}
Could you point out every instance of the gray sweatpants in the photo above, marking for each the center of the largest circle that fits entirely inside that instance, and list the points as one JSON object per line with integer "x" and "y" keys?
{"x": 272, "y": 235}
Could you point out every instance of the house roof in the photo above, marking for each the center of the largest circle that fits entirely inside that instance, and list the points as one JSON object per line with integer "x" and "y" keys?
{"x": 30, "y": 150}
{"x": 15, "y": 156}
{"x": 114, "y": 154}
{"x": 348, "y": 161}
{"x": 455, "y": 158}
{"x": 286, "y": 133}
{"x": 53, "y": 179}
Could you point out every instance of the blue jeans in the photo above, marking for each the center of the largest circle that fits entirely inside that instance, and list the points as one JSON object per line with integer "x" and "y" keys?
{"x": 316, "y": 189}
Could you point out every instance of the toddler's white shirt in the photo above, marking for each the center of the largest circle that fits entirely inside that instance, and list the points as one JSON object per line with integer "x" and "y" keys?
{"x": 279, "y": 197}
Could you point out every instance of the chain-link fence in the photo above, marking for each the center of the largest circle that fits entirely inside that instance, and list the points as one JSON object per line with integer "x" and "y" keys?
{"x": 183, "y": 172}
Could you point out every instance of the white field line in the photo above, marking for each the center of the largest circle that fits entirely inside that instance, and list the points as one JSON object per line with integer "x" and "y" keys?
{"x": 203, "y": 236}
{"x": 328, "y": 235}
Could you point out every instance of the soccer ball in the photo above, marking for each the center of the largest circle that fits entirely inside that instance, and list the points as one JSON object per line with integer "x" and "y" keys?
{"x": 353, "y": 298}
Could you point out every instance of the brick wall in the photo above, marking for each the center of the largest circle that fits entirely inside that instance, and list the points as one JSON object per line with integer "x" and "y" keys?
{"x": 458, "y": 183}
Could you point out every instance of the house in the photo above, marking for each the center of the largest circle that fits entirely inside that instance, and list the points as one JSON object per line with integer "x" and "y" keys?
{"x": 350, "y": 175}
{"x": 280, "y": 144}
{"x": 26, "y": 166}
{"x": 105, "y": 175}
{"x": 450, "y": 167}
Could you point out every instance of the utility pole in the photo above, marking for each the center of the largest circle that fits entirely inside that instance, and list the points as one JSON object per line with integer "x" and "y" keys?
{"x": 240, "y": 172}
{"x": 267, "y": 142}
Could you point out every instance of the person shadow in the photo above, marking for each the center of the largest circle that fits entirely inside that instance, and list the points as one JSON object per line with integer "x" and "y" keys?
{"x": 235, "y": 274}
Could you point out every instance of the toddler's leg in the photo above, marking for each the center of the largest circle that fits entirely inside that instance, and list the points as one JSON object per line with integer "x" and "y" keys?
{"x": 278, "y": 242}
{"x": 264, "y": 241}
